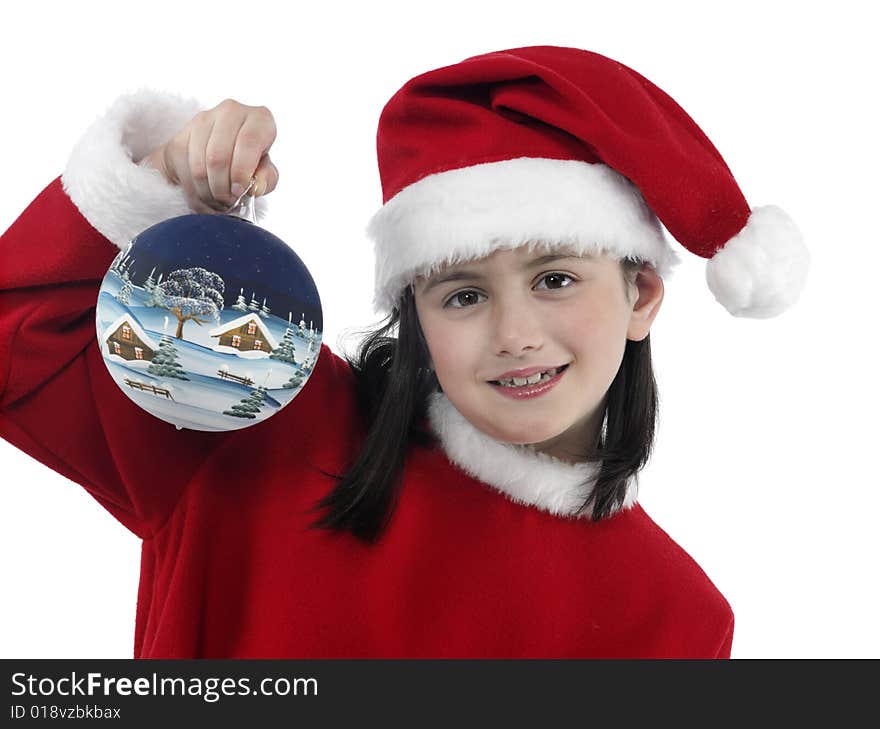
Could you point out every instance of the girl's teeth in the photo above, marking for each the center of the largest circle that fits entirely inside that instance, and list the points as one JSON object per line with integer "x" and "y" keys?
{"x": 533, "y": 380}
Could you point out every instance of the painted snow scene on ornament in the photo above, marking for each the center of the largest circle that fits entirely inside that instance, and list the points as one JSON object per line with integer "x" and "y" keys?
{"x": 209, "y": 322}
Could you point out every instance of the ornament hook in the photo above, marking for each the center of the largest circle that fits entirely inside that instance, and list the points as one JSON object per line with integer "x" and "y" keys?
{"x": 245, "y": 206}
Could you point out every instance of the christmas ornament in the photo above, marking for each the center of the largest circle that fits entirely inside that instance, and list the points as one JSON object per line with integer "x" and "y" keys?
{"x": 209, "y": 322}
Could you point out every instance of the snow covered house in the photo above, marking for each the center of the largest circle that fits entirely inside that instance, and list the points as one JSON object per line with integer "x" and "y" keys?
{"x": 247, "y": 336}
{"x": 126, "y": 339}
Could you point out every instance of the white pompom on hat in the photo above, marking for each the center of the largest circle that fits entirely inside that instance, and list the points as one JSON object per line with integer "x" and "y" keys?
{"x": 564, "y": 147}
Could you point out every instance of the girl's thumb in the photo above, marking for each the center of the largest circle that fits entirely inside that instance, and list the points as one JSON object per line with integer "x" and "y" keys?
{"x": 266, "y": 176}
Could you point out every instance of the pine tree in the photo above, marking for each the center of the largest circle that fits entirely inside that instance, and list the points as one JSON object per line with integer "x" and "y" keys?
{"x": 285, "y": 351}
{"x": 249, "y": 406}
{"x": 125, "y": 292}
{"x": 240, "y": 304}
{"x": 264, "y": 311}
{"x": 165, "y": 362}
{"x": 149, "y": 283}
{"x": 295, "y": 382}
{"x": 154, "y": 293}
{"x": 253, "y": 306}
{"x": 156, "y": 297}
{"x": 157, "y": 294}
{"x": 122, "y": 263}
{"x": 114, "y": 266}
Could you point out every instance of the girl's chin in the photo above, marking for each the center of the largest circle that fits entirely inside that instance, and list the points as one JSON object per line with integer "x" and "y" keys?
{"x": 532, "y": 437}
{"x": 522, "y": 432}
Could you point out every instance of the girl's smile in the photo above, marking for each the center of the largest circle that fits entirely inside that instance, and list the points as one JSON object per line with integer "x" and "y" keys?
{"x": 530, "y": 382}
{"x": 525, "y": 344}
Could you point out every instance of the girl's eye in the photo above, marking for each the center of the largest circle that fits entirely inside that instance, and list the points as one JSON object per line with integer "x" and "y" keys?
{"x": 555, "y": 281}
{"x": 463, "y": 299}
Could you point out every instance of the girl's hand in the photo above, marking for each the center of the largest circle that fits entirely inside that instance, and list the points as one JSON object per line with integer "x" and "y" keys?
{"x": 214, "y": 157}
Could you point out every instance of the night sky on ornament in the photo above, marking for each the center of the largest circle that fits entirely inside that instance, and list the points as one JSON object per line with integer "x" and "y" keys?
{"x": 244, "y": 255}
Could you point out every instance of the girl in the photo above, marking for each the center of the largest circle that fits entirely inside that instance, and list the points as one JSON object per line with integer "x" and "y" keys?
{"x": 466, "y": 486}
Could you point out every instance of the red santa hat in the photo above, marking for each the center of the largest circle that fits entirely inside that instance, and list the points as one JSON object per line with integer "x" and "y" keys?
{"x": 563, "y": 147}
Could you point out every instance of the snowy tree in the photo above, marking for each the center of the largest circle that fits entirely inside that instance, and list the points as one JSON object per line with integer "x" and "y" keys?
{"x": 125, "y": 270}
{"x": 149, "y": 283}
{"x": 116, "y": 261}
{"x": 264, "y": 311}
{"x": 249, "y": 406}
{"x": 253, "y": 306}
{"x": 165, "y": 362}
{"x": 285, "y": 351}
{"x": 301, "y": 329}
{"x": 123, "y": 296}
{"x": 295, "y": 382}
{"x": 156, "y": 297}
{"x": 192, "y": 294}
{"x": 120, "y": 262}
{"x": 240, "y": 304}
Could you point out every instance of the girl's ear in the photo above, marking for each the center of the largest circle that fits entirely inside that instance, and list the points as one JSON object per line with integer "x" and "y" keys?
{"x": 645, "y": 308}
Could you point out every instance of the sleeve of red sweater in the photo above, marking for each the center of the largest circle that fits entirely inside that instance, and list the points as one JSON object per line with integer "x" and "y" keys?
{"x": 58, "y": 403}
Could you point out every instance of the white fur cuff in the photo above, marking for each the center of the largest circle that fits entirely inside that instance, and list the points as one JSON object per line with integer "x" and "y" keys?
{"x": 117, "y": 196}
{"x": 761, "y": 271}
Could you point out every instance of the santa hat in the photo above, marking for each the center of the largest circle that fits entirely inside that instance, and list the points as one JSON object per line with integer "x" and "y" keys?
{"x": 563, "y": 147}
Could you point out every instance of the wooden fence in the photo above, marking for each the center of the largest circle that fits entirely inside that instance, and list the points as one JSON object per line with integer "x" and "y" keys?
{"x": 229, "y": 376}
{"x": 148, "y": 387}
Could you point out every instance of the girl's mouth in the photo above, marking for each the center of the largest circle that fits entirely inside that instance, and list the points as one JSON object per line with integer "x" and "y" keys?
{"x": 523, "y": 387}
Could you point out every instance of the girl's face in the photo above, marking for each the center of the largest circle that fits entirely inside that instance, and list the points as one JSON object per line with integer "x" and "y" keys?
{"x": 525, "y": 344}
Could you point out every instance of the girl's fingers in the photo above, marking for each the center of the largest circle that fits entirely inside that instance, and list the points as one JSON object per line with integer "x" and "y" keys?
{"x": 174, "y": 164}
{"x": 200, "y": 133}
{"x": 251, "y": 147}
{"x": 219, "y": 152}
{"x": 214, "y": 157}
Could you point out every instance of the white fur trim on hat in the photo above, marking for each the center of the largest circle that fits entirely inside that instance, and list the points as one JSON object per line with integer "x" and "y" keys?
{"x": 524, "y": 475}
{"x": 466, "y": 214}
{"x": 116, "y": 195}
{"x": 761, "y": 271}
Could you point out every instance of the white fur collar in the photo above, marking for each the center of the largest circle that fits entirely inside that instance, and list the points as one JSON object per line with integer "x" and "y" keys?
{"x": 524, "y": 475}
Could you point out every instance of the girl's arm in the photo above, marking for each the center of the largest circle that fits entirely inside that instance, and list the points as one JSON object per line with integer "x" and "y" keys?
{"x": 58, "y": 403}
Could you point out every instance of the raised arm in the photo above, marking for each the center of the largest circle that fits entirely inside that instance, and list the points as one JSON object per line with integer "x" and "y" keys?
{"x": 57, "y": 400}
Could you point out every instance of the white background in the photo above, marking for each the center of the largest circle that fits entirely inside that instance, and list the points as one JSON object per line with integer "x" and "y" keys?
{"x": 763, "y": 468}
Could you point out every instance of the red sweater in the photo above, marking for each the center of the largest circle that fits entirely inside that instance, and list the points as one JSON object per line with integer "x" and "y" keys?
{"x": 230, "y": 566}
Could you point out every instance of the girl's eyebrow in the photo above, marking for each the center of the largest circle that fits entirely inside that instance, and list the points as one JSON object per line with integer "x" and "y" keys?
{"x": 556, "y": 257}
{"x": 435, "y": 281}
{"x": 465, "y": 274}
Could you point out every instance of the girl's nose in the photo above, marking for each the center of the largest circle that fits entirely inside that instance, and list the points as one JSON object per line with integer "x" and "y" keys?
{"x": 515, "y": 327}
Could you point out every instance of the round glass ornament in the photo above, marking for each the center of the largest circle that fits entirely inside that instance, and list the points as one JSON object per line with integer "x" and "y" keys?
{"x": 209, "y": 322}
